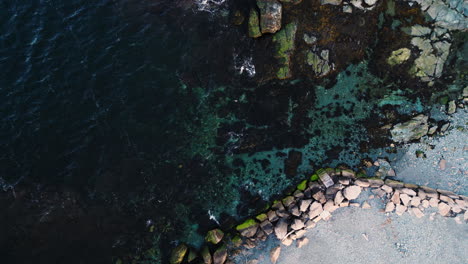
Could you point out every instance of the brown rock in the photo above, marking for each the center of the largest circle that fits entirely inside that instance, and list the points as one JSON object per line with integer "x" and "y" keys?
{"x": 352, "y": 192}
{"x": 344, "y": 204}
{"x": 267, "y": 227}
{"x": 444, "y": 209}
{"x": 339, "y": 198}
{"x": 400, "y": 209}
{"x": 330, "y": 206}
{"x": 416, "y": 201}
{"x": 446, "y": 199}
{"x": 376, "y": 182}
{"x": 387, "y": 188}
{"x": 325, "y": 215}
{"x": 456, "y": 208}
{"x": 287, "y": 241}
{"x": 449, "y": 194}
{"x": 274, "y": 254}
{"x": 389, "y": 207}
{"x": 304, "y": 205}
{"x": 362, "y": 183}
{"x": 315, "y": 210}
{"x": 379, "y": 192}
{"x": 214, "y": 236}
{"x": 422, "y": 194}
{"x": 220, "y": 255}
{"x": 408, "y": 191}
{"x": 433, "y": 202}
{"x": 288, "y": 201}
{"x": 300, "y": 233}
{"x": 396, "y": 197}
{"x": 417, "y": 212}
{"x": 272, "y": 216}
{"x": 425, "y": 203}
{"x": 302, "y": 242}
{"x": 319, "y": 196}
{"x": 297, "y": 224}
{"x": 295, "y": 211}
{"x": 405, "y": 199}
{"x": 394, "y": 184}
{"x": 366, "y": 205}
{"x": 281, "y": 229}
{"x": 355, "y": 204}
{"x": 344, "y": 181}
{"x": 278, "y": 205}
{"x": 310, "y": 224}
{"x": 298, "y": 194}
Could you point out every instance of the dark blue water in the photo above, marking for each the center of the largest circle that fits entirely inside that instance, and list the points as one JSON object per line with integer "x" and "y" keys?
{"x": 93, "y": 101}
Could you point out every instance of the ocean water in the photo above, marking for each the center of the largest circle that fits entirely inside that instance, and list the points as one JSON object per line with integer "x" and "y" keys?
{"x": 149, "y": 113}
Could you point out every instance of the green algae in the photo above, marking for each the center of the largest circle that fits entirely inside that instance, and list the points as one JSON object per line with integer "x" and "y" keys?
{"x": 246, "y": 224}
{"x": 399, "y": 56}
{"x": 302, "y": 186}
{"x": 261, "y": 217}
{"x": 178, "y": 254}
{"x": 214, "y": 236}
{"x": 314, "y": 177}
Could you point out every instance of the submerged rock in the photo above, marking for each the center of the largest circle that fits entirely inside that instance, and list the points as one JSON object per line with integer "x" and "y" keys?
{"x": 399, "y": 56}
{"x": 254, "y": 24}
{"x": 214, "y": 236}
{"x": 410, "y": 130}
{"x": 285, "y": 44}
{"x": 178, "y": 254}
{"x": 220, "y": 255}
{"x": 330, "y": 2}
{"x": 270, "y": 15}
{"x": 274, "y": 254}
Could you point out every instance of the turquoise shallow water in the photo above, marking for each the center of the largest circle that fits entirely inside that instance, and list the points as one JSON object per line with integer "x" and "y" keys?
{"x": 140, "y": 108}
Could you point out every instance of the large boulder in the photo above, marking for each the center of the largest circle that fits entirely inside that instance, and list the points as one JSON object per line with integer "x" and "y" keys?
{"x": 352, "y": 192}
{"x": 410, "y": 130}
{"x": 214, "y": 236}
{"x": 285, "y": 45}
{"x": 281, "y": 229}
{"x": 248, "y": 228}
{"x": 274, "y": 254}
{"x": 254, "y": 24}
{"x": 270, "y": 15}
{"x": 220, "y": 255}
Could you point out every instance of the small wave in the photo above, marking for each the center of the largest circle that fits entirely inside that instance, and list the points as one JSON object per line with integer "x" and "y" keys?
{"x": 209, "y": 5}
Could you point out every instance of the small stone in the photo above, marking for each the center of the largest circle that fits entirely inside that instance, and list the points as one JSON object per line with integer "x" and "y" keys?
{"x": 344, "y": 181}
{"x": 451, "y": 108}
{"x": 456, "y": 208}
{"x": 344, "y": 204}
{"x": 348, "y": 173}
{"x": 330, "y": 206}
{"x": 442, "y": 164}
{"x": 394, "y": 184}
{"x": 355, "y": 204}
{"x": 416, "y": 201}
{"x": 347, "y": 9}
{"x": 339, "y": 197}
{"x": 304, "y": 205}
{"x": 425, "y": 203}
{"x": 446, "y": 199}
{"x": 405, "y": 199}
{"x": 376, "y": 182}
{"x": 281, "y": 229}
{"x": 325, "y": 215}
{"x": 396, "y": 197}
{"x": 389, "y": 207}
{"x": 330, "y": 2}
{"x": 444, "y": 209}
{"x": 315, "y": 210}
{"x": 366, "y": 205}
{"x": 379, "y": 192}
{"x": 422, "y": 194}
{"x": 302, "y": 242}
{"x": 387, "y": 188}
{"x": 432, "y": 130}
{"x": 433, "y": 202}
{"x": 288, "y": 201}
{"x": 274, "y": 254}
{"x": 418, "y": 212}
{"x": 400, "y": 209}
{"x": 297, "y": 224}
{"x": 298, "y": 194}
{"x": 278, "y": 205}
{"x": 461, "y": 203}
{"x": 351, "y": 192}
{"x": 445, "y": 127}
{"x": 362, "y": 183}
{"x": 408, "y": 191}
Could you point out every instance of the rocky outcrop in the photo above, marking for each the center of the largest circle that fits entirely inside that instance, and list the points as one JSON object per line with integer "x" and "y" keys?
{"x": 270, "y": 15}
{"x": 254, "y": 24}
{"x": 320, "y": 62}
{"x": 285, "y": 45}
{"x": 410, "y": 130}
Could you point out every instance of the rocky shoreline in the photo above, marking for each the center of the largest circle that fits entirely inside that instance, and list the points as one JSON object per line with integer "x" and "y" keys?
{"x": 315, "y": 200}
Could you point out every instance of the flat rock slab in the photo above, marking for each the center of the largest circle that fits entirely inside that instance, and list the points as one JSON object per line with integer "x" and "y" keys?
{"x": 352, "y": 192}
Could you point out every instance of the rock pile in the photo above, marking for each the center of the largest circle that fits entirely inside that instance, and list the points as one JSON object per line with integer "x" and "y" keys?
{"x": 315, "y": 200}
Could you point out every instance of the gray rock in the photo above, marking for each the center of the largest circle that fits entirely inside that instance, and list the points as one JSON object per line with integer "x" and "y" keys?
{"x": 416, "y": 201}
{"x": 410, "y": 130}
{"x": 408, "y": 191}
{"x": 385, "y": 169}
{"x": 387, "y": 188}
{"x": 319, "y": 196}
{"x": 325, "y": 178}
{"x": 389, "y": 207}
{"x": 362, "y": 183}
{"x": 445, "y": 127}
{"x": 351, "y": 192}
{"x": 267, "y": 227}
{"x": 272, "y": 216}
{"x": 451, "y": 108}
{"x": 396, "y": 197}
{"x": 309, "y": 39}
{"x": 338, "y": 198}
{"x": 330, "y": 2}
{"x": 417, "y": 212}
{"x": 405, "y": 199}
{"x": 400, "y": 209}
{"x": 432, "y": 130}
{"x": 319, "y": 61}
{"x": 444, "y": 209}
{"x": 330, "y": 206}
{"x": 295, "y": 211}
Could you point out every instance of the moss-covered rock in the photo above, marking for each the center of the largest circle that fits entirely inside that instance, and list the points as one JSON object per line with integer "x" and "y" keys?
{"x": 254, "y": 24}
{"x": 261, "y": 217}
{"x": 220, "y": 255}
{"x": 192, "y": 255}
{"x": 399, "y": 56}
{"x": 236, "y": 241}
{"x": 178, "y": 254}
{"x": 270, "y": 15}
{"x": 206, "y": 255}
{"x": 314, "y": 177}
{"x": 285, "y": 41}
{"x": 214, "y": 236}
{"x": 248, "y": 228}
